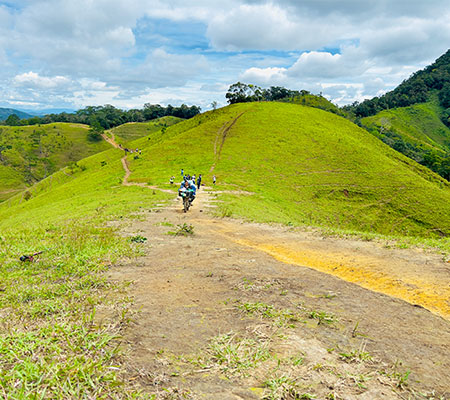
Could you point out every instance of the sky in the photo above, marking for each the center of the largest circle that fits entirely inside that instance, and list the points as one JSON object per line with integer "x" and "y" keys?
{"x": 75, "y": 53}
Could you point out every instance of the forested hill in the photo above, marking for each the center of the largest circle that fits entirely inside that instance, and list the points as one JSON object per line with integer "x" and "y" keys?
{"x": 6, "y": 112}
{"x": 419, "y": 88}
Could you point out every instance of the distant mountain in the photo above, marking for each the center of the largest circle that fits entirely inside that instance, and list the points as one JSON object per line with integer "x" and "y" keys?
{"x": 6, "y": 112}
{"x": 51, "y": 111}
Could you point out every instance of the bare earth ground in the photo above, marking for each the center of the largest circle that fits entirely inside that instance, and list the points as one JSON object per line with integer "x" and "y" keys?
{"x": 213, "y": 320}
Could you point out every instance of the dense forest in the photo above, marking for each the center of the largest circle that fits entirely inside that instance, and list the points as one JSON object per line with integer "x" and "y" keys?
{"x": 108, "y": 116}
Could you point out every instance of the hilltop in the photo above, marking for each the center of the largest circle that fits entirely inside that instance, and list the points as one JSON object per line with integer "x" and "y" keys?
{"x": 130, "y": 131}
{"x": 300, "y": 165}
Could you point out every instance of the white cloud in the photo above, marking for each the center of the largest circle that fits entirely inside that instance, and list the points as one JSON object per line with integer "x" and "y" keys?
{"x": 51, "y": 49}
{"x": 34, "y": 80}
{"x": 267, "y": 26}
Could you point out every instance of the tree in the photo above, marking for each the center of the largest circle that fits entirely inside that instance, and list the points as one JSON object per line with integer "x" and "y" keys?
{"x": 12, "y": 120}
{"x": 214, "y": 105}
{"x": 238, "y": 93}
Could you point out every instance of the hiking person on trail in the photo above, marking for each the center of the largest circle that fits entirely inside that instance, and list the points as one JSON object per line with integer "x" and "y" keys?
{"x": 214, "y": 179}
{"x": 199, "y": 181}
{"x": 171, "y": 179}
{"x": 182, "y": 172}
{"x": 188, "y": 187}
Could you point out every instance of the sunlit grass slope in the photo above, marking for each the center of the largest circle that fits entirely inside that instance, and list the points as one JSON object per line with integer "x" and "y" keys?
{"x": 31, "y": 153}
{"x": 303, "y": 166}
{"x": 52, "y": 344}
{"x": 418, "y": 124}
{"x": 134, "y": 130}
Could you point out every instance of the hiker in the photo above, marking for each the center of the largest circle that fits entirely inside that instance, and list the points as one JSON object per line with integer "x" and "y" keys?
{"x": 214, "y": 179}
{"x": 171, "y": 179}
{"x": 182, "y": 172}
{"x": 199, "y": 181}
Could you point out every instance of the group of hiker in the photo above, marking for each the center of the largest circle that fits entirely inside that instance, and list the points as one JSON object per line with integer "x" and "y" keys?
{"x": 189, "y": 185}
{"x": 192, "y": 179}
{"x": 127, "y": 150}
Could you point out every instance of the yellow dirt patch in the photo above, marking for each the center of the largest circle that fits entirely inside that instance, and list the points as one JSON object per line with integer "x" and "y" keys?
{"x": 364, "y": 272}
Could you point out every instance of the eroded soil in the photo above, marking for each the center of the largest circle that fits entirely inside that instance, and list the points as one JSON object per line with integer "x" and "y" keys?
{"x": 243, "y": 311}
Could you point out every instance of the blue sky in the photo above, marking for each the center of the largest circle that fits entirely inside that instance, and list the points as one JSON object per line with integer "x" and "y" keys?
{"x": 70, "y": 54}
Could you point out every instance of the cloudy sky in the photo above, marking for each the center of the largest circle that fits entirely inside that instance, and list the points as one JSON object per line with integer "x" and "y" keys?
{"x": 73, "y": 53}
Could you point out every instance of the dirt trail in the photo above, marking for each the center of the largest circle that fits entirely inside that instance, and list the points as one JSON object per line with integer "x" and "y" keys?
{"x": 220, "y": 139}
{"x": 419, "y": 278}
{"x": 111, "y": 140}
{"x": 189, "y": 290}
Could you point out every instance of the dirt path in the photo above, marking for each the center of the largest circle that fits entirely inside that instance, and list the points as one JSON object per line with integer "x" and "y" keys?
{"x": 111, "y": 140}
{"x": 340, "y": 339}
{"x": 190, "y": 291}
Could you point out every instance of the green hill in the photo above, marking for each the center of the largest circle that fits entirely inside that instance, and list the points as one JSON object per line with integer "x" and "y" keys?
{"x": 274, "y": 162}
{"x": 134, "y": 130}
{"x": 30, "y": 153}
{"x": 297, "y": 165}
{"x": 304, "y": 166}
{"x": 418, "y": 125}
{"x": 6, "y": 112}
{"x": 414, "y": 118}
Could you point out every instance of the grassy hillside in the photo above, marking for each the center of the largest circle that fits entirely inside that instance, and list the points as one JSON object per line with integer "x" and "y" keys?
{"x": 30, "y": 153}
{"x": 418, "y": 124}
{"x": 315, "y": 101}
{"x": 416, "y": 131}
{"x": 303, "y": 166}
{"x": 298, "y": 165}
{"x": 51, "y": 340}
{"x": 134, "y": 130}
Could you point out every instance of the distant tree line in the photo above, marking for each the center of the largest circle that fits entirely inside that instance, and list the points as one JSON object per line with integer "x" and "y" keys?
{"x": 108, "y": 116}
{"x": 243, "y": 93}
{"x": 417, "y": 89}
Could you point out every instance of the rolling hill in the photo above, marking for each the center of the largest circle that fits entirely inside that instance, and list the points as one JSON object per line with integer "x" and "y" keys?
{"x": 31, "y": 153}
{"x": 274, "y": 162}
{"x": 134, "y": 130}
{"x": 418, "y": 125}
{"x": 286, "y": 163}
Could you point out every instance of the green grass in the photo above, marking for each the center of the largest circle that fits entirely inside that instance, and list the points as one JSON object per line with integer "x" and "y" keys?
{"x": 298, "y": 166}
{"x": 419, "y": 124}
{"x": 134, "y": 130}
{"x": 52, "y": 343}
{"x": 301, "y": 166}
{"x": 31, "y": 153}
